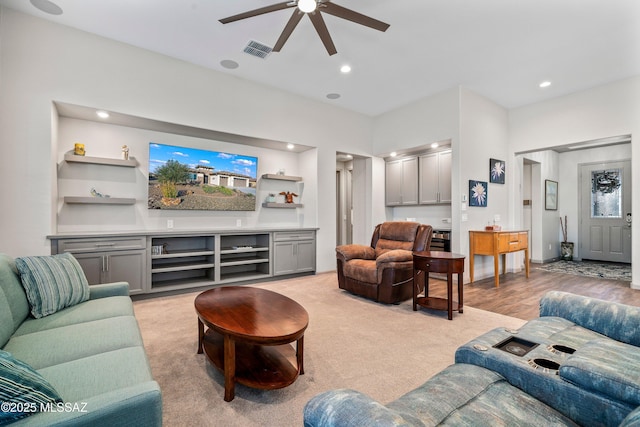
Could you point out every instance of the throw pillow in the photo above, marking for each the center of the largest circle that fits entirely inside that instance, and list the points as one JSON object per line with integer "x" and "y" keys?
{"x": 22, "y": 389}
{"x": 52, "y": 282}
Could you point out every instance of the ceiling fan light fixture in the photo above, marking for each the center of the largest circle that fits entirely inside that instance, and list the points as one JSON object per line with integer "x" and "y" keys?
{"x": 307, "y": 6}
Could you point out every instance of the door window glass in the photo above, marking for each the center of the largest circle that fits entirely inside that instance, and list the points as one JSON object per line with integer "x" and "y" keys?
{"x": 606, "y": 193}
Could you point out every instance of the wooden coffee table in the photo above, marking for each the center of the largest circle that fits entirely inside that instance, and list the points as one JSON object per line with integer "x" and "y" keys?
{"x": 249, "y": 335}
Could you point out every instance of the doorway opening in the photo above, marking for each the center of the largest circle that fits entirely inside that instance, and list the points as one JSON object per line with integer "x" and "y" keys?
{"x": 344, "y": 198}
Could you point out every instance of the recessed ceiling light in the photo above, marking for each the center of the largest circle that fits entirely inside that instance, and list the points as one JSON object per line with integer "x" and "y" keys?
{"x": 290, "y": 146}
{"x": 333, "y": 95}
{"x": 345, "y": 69}
{"x": 393, "y": 154}
{"x": 47, "y": 7}
{"x": 229, "y": 64}
{"x": 102, "y": 114}
{"x": 545, "y": 83}
{"x": 434, "y": 145}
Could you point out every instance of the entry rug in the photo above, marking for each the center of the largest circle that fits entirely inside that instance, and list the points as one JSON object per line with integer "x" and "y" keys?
{"x": 605, "y": 270}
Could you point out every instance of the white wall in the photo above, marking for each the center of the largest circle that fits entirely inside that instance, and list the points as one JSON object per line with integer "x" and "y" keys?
{"x": 41, "y": 62}
{"x": 604, "y": 111}
{"x": 483, "y": 135}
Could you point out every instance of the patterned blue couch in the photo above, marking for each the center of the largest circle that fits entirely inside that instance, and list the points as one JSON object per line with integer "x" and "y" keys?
{"x": 577, "y": 364}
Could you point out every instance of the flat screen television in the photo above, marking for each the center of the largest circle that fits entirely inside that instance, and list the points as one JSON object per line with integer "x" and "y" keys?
{"x": 194, "y": 179}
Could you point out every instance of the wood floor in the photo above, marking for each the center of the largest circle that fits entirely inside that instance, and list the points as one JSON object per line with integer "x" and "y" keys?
{"x": 519, "y": 297}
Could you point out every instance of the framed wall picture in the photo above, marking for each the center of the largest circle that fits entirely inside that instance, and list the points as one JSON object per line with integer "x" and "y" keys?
{"x": 478, "y": 193}
{"x": 550, "y": 195}
{"x": 497, "y": 171}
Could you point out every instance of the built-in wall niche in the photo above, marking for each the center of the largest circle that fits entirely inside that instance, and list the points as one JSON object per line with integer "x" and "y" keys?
{"x": 128, "y": 186}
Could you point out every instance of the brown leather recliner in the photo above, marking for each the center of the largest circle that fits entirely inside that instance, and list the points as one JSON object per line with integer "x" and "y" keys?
{"x": 383, "y": 271}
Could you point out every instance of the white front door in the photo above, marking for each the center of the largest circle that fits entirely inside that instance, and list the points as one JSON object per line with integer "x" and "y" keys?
{"x": 605, "y": 209}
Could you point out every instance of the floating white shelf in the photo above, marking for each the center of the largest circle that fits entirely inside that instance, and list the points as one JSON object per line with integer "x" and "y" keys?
{"x": 282, "y": 177}
{"x": 130, "y": 163}
{"x": 281, "y": 205}
{"x": 99, "y": 200}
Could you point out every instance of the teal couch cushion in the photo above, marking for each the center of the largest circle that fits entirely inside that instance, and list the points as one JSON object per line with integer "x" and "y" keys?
{"x": 52, "y": 282}
{"x": 22, "y": 389}
{"x": 60, "y": 345}
{"x": 103, "y": 308}
{"x": 14, "y": 307}
{"x": 94, "y": 375}
{"x": 607, "y": 367}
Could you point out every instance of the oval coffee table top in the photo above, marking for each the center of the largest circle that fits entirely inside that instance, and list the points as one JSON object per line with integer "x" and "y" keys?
{"x": 258, "y": 315}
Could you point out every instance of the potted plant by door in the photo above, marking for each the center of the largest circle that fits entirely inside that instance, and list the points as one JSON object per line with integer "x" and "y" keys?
{"x": 566, "y": 248}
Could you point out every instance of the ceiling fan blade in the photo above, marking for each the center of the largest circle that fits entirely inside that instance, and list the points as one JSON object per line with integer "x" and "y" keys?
{"x": 350, "y": 15}
{"x": 288, "y": 29}
{"x": 260, "y": 11}
{"x": 323, "y": 32}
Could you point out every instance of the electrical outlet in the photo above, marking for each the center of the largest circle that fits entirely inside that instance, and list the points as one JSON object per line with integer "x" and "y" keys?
{"x": 549, "y": 246}
{"x": 238, "y": 223}
{"x": 496, "y": 218}
{"x": 169, "y": 223}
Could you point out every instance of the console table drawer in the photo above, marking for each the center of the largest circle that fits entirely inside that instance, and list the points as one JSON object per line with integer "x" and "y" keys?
{"x": 511, "y": 242}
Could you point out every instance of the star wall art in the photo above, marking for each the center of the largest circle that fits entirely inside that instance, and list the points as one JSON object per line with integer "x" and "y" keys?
{"x": 478, "y": 193}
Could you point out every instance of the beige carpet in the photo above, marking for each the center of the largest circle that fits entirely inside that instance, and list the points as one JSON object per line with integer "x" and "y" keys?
{"x": 381, "y": 350}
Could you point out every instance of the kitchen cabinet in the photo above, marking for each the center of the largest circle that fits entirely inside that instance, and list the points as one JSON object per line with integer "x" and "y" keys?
{"x": 435, "y": 178}
{"x": 401, "y": 182}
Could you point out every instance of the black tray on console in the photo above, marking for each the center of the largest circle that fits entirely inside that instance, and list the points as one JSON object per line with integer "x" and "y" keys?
{"x": 515, "y": 345}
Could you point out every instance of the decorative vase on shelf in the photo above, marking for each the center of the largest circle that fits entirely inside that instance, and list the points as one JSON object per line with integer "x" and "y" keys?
{"x": 271, "y": 198}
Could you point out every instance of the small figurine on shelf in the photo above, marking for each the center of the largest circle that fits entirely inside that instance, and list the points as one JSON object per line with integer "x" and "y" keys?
{"x": 78, "y": 149}
{"x": 288, "y": 196}
{"x": 281, "y": 172}
{"x": 125, "y": 152}
{"x": 95, "y": 193}
{"x": 271, "y": 198}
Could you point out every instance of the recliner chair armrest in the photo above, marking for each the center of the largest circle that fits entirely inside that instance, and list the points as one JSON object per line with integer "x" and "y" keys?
{"x": 347, "y": 252}
{"x": 395, "y": 255}
{"x": 349, "y": 408}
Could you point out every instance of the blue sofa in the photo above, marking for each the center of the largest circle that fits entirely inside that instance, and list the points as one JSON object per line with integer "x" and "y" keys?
{"x": 91, "y": 353}
{"x": 581, "y": 367}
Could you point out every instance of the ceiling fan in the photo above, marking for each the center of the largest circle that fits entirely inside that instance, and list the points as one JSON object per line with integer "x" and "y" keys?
{"x": 313, "y": 9}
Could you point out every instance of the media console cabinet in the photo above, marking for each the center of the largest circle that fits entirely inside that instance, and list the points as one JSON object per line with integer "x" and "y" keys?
{"x": 174, "y": 260}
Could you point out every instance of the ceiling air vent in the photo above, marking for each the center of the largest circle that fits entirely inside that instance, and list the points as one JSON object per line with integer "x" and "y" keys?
{"x": 258, "y": 49}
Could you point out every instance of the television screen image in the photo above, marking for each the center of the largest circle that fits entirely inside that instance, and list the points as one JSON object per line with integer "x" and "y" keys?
{"x": 195, "y": 179}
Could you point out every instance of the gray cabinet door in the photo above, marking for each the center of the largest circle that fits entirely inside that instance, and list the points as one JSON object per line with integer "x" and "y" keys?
{"x": 306, "y": 255}
{"x": 92, "y": 264}
{"x": 444, "y": 176}
{"x": 401, "y": 182}
{"x": 435, "y": 178}
{"x": 429, "y": 179}
{"x": 410, "y": 181}
{"x": 126, "y": 266}
{"x": 284, "y": 259}
{"x": 393, "y": 183}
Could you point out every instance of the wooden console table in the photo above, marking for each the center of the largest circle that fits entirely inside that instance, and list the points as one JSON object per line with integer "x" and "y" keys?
{"x": 437, "y": 262}
{"x": 494, "y": 243}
